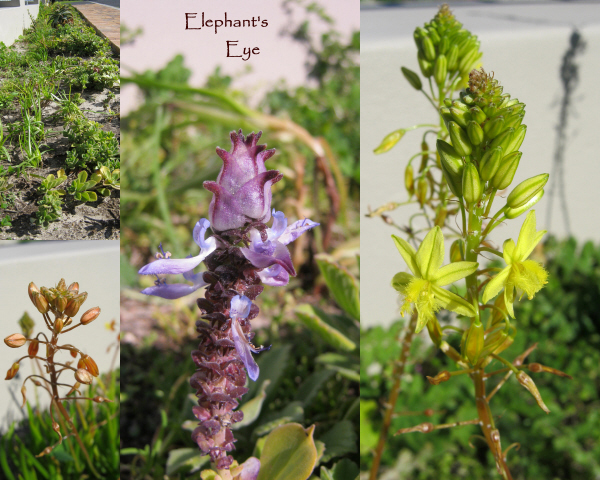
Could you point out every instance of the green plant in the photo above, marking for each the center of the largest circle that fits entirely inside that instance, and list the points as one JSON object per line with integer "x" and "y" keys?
{"x": 60, "y": 15}
{"x": 50, "y": 207}
{"x": 63, "y": 303}
{"x": 92, "y": 146}
{"x": 96, "y": 74}
{"x": 108, "y": 180}
{"x": 81, "y": 186}
{"x": 51, "y": 182}
{"x": 78, "y": 40}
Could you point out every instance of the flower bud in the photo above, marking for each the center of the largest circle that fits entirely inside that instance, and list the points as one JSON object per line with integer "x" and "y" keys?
{"x": 538, "y": 367}
{"x": 89, "y": 316}
{"x": 529, "y": 384}
{"x": 474, "y": 342}
{"x": 475, "y": 132}
{"x": 477, "y": 114}
{"x": 460, "y": 140}
{"x": 62, "y": 286}
{"x": 440, "y": 70}
{"x": 516, "y": 139}
{"x": 444, "y": 45}
{"x": 446, "y": 115}
{"x": 428, "y": 48}
{"x": 74, "y": 288}
{"x": 32, "y": 288}
{"x": 452, "y": 57}
{"x": 425, "y": 65}
{"x": 494, "y": 127}
{"x": 60, "y": 303}
{"x": 462, "y": 117}
{"x": 15, "y": 340}
{"x": 33, "y": 348}
{"x": 40, "y": 302}
{"x": 506, "y": 172}
{"x": 409, "y": 180}
{"x": 99, "y": 399}
{"x": 526, "y": 190}
{"x": 471, "y": 184}
{"x": 443, "y": 376}
{"x": 74, "y": 304}
{"x": 503, "y": 139}
{"x": 412, "y": 78}
{"x": 490, "y": 163}
{"x": 12, "y": 371}
{"x": 452, "y": 166}
{"x": 514, "y": 121}
{"x": 422, "y": 190}
{"x": 242, "y": 192}
{"x": 83, "y": 376}
{"x": 456, "y": 250}
{"x": 390, "y": 141}
{"x": 515, "y": 212}
{"x": 59, "y": 323}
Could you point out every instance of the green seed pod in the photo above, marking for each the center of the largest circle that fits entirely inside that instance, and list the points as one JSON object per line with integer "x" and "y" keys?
{"x": 428, "y": 48}
{"x": 474, "y": 342}
{"x": 515, "y": 212}
{"x": 475, "y": 132}
{"x": 490, "y": 163}
{"x": 389, "y": 141}
{"x": 465, "y": 63}
{"x": 425, "y": 65}
{"x": 412, "y": 78}
{"x": 462, "y": 117}
{"x": 505, "y": 174}
{"x": 493, "y": 128}
{"x": 460, "y": 105}
{"x": 440, "y": 70}
{"x": 477, "y": 114}
{"x": 452, "y": 166}
{"x": 460, "y": 140}
{"x": 516, "y": 139}
{"x": 432, "y": 33}
{"x": 471, "y": 184}
{"x": 448, "y": 102}
{"x": 526, "y": 190}
{"x": 422, "y": 190}
{"x": 503, "y": 140}
{"x": 456, "y": 250}
{"x": 409, "y": 180}
{"x": 452, "y": 57}
{"x": 468, "y": 99}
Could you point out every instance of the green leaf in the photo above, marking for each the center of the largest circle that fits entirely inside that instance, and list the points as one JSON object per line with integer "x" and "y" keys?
{"x": 317, "y": 321}
{"x": 272, "y": 365}
{"x": 289, "y": 454}
{"x": 311, "y": 386}
{"x": 345, "y": 469}
{"x": 252, "y": 407}
{"x": 342, "y": 285}
{"x": 340, "y": 440}
{"x": 185, "y": 460}
{"x": 369, "y": 436}
{"x": 293, "y": 412}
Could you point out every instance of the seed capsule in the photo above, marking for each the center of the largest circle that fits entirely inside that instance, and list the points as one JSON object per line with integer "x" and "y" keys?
{"x": 452, "y": 166}
{"x": 12, "y": 371}
{"x": 15, "y": 340}
{"x": 83, "y": 376}
{"x": 89, "y": 316}
{"x": 474, "y": 342}
{"x": 33, "y": 348}
{"x": 471, "y": 185}
{"x": 490, "y": 163}
{"x": 515, "y": 212}
{"x": 425, "y": 65}
{"x": 412, "y": 78}
{"x": 409, "y": 180}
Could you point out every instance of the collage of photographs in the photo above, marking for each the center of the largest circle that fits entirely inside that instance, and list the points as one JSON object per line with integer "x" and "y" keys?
{"x": 191, "y": 229}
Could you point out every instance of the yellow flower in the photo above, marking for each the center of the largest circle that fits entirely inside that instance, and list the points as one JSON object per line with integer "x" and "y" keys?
{"x": 423, "y": 288}
{"x": 527, "y": 276}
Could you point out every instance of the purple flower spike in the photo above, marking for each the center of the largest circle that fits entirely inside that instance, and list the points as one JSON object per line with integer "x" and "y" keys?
{"x": 175, "y": 266}
{"x": 240, "y": 308}
{"x": 250, "y": 469}
{"x": 242, "y": 192}
{"x": 274, "y": 276}
{"x": 274, "y": 251}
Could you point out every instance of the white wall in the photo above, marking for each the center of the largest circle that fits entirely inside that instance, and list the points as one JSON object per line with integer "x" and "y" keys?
{"x": 95, "y": 265}
{"x": 13, "y": 20}
{"x": 524, "y": 46}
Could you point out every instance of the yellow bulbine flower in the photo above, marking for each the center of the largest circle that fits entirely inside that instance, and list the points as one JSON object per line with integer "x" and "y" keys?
{"x": 527, "y": 276}
{"x": 423, "y": 288}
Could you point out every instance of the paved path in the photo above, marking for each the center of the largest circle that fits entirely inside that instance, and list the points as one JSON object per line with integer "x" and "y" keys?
{"x": 105, "y": 21}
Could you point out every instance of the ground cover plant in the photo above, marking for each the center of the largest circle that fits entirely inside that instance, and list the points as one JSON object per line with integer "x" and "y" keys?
{"x": 59, "y": 112}
{"x": 306, "y": 383}
{"x": 77, "y": 437}
{"x": 460, "y": 187}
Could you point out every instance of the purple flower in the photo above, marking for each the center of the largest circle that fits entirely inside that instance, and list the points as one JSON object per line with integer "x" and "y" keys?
{"x": 272, "y": 256}
{"x": 240, "y": 308}
{"x": 242, "y": 192}
{"x": 172, "y": 266}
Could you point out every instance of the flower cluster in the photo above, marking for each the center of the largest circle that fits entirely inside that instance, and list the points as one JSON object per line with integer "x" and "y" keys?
{"x": 242, "y": 254}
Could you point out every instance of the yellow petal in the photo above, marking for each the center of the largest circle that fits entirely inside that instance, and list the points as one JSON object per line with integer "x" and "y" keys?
{"x": 408, "y": 254}
{"x": 495, "y": 285}
{"x": 451, "y": 273}
{"x": 430, "y": 254}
